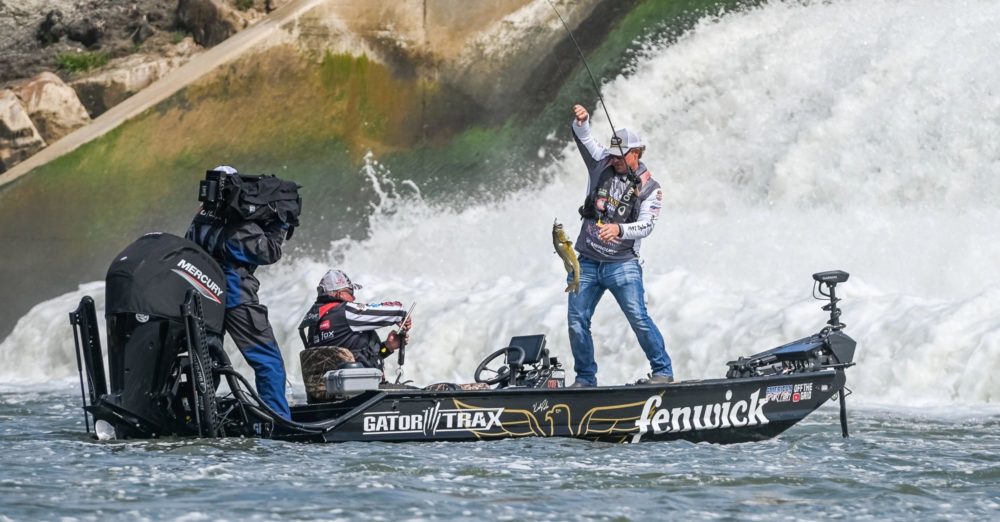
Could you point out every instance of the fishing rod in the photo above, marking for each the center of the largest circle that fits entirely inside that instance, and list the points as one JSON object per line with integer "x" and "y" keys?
{"x": 615, "y": 139}
{"x": 401, "y": 352}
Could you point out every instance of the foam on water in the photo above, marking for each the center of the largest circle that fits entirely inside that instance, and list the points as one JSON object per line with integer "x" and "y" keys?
{"x": 790, "y": 139}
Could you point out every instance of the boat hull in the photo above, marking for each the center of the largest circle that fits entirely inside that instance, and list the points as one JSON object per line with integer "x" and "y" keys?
{"x": 717, "y": 411}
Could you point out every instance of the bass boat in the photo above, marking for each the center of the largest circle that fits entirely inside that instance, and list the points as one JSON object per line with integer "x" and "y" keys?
{"x": 164, "y": 316}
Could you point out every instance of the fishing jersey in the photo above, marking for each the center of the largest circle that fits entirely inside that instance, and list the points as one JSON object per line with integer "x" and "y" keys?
{"x": 615, "y": 202}
{"x": 351, "y": 325}
{"x": 239, "y": 249}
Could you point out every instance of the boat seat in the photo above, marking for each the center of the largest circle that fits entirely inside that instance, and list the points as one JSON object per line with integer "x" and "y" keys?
{"x": 316, "y": 362}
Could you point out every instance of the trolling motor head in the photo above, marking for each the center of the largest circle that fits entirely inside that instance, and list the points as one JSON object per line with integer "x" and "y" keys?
{"x": 830, "y": 279}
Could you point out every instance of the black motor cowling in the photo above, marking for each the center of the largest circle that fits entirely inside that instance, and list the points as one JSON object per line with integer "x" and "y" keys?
{"x": 152, "y": 275}
{"x": 146, "y": 285}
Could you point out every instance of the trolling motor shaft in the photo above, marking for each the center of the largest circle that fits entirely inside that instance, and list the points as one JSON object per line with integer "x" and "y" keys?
{"x": 831, "y": 279}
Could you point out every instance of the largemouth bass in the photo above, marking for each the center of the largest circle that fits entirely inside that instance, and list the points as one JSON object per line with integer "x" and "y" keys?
{"x": 564, "y": 247}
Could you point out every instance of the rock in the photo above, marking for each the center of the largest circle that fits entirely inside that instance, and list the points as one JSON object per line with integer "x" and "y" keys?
{"x": 122, "y": 79}
{"x": 53, "y": 106}
{"x": 86, "y": 31}
{"x": 18, "y": 136}
{"x": 186, "y": 47}
{"x": 209, "y": 21}
{"x": 141, "y": 31}
{"x": 52, "y": 29}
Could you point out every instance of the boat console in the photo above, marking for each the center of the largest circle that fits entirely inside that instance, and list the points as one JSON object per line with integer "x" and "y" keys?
{"x": 526, "y": 364}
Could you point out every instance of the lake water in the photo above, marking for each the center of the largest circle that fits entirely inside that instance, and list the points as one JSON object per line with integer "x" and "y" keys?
{"x": 897, "y": 464}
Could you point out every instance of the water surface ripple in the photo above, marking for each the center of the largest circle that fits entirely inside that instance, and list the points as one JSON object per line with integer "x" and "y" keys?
{"x": 897, "y": 464}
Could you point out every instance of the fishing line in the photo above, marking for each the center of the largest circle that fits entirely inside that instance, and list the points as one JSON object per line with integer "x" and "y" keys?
{"x": 615, "y": 140}
{"x": 597, "y": 88}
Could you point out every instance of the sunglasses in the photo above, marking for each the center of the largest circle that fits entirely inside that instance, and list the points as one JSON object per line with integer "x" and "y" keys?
{"x": 620, "y": 158}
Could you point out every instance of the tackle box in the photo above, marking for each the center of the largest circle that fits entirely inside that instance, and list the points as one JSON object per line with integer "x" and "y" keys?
{"x": 351, "y": 381}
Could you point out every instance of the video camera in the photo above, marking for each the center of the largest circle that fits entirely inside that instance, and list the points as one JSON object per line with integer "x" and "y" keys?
{"x": 240, "y": 197}
{"x": 212, "y": 191}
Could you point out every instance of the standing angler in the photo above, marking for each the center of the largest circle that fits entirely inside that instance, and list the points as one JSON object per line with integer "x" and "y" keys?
{"x": 623, "y": 202}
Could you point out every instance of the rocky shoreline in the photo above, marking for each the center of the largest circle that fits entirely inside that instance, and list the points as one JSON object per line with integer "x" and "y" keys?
{"x": 64, "y": 62}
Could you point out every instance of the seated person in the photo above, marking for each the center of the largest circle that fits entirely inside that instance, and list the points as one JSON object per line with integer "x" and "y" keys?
{"x": 347, "y": 328}
{"x": 338, "y": 331}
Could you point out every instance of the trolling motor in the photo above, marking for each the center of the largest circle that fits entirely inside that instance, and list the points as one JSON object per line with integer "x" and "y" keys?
{"x": 830, "y": 349}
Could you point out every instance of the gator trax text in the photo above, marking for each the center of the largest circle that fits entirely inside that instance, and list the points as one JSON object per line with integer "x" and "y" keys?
{"x": 432, "y": 420}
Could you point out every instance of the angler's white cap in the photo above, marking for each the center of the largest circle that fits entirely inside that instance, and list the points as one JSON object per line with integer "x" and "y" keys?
{"x": 627, "y": 139}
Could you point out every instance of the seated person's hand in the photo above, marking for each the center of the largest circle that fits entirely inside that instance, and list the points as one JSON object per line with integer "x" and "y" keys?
{"x": 392, "y": 341}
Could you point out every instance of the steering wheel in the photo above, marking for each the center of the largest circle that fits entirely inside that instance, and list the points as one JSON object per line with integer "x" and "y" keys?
{"x": 502, "y": 373}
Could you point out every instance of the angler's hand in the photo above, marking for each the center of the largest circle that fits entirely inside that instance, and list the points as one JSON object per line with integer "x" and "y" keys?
{"x": 392, "y": 341}
{"x": 581, "y": 114}
{"x": 407, "y": 324}
{"x": 609, "y": 231}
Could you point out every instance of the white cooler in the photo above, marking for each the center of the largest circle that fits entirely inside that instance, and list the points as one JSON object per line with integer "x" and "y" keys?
{"x": 348, "y": 382}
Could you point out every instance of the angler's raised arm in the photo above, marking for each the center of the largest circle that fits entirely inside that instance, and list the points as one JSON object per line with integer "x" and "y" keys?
{"x": 590, "y": 150}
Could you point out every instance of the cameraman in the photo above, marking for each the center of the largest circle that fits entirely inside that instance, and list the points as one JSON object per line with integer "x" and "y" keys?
{"x": 239, "y": 246}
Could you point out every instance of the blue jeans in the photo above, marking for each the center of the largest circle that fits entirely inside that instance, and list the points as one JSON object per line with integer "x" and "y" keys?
{"x": 624, "y": 280}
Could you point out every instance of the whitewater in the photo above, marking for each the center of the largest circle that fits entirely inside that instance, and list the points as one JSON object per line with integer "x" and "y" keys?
{"x": 790, "y": 139}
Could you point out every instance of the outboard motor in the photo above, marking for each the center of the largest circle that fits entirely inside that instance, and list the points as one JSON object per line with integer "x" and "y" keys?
{"x": 164, "y": 299}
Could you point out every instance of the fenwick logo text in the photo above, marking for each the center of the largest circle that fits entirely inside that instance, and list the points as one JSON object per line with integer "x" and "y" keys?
{"x": 701, "y": 417}
{"x": 199, "y": 280}
{"x": 433, "y": 420}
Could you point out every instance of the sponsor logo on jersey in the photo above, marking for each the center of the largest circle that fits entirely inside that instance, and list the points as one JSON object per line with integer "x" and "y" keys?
{"x": 383, "y": 303}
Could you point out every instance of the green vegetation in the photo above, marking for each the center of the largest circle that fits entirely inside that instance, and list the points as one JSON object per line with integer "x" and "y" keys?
{"x": 243, "y": 5}
{"x": 81, "y": 61}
